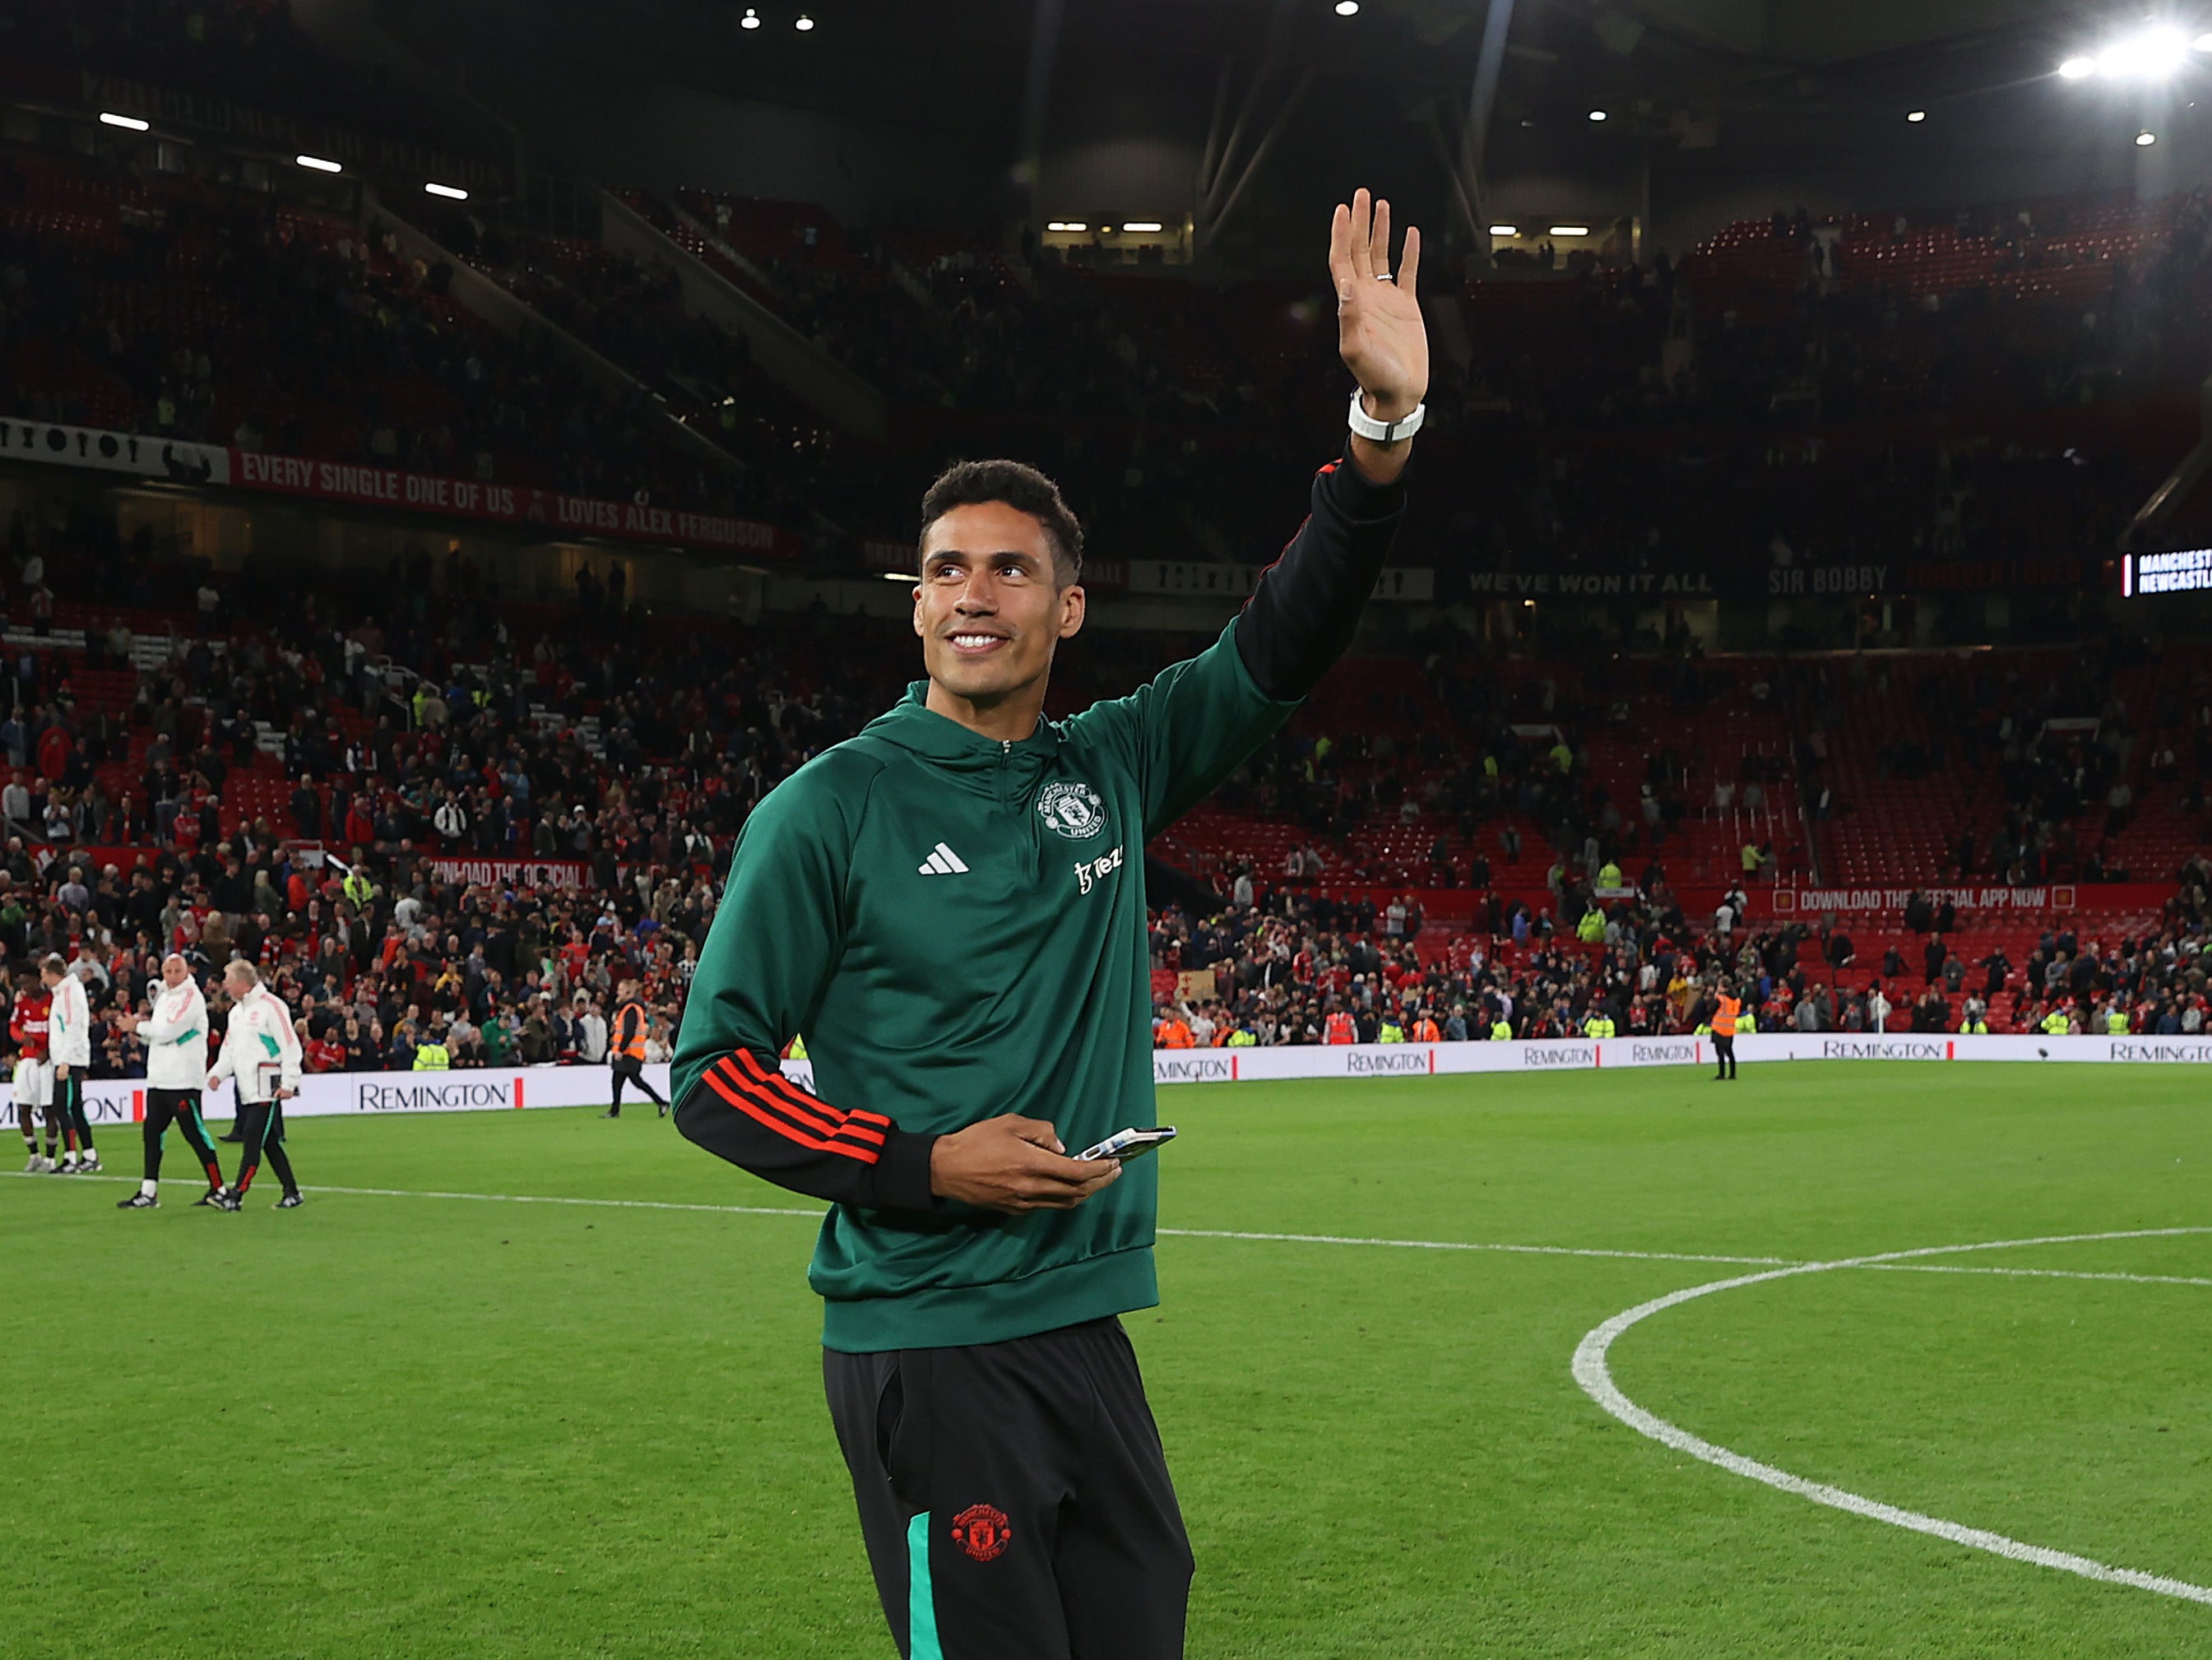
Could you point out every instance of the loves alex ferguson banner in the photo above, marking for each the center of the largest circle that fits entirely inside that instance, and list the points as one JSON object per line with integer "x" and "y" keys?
{"x": 360, "y": 484}
{"x": 557, "y": 514}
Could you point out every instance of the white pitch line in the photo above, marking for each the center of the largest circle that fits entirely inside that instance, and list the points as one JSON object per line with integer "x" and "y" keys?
{"x": 547, "y": 1199}
{"x": 1592, "y": 1371}
{"x": 1182, "y": 1233}
{"x": 1456, "y": 1244}
{"x": 1286, "y": 1238}
{"x": 2038, "y": 1274}
{"x": 493, "y": 1198}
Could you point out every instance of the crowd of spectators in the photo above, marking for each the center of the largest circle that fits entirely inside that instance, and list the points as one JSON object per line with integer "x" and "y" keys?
{"x": 414, "y": 723}
{"x": 1304, "y": 967}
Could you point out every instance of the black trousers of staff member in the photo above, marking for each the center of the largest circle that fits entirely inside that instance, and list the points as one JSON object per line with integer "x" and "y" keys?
{"x": 629, "y": 1069}
{"x": 68, "y": 1108}
{"x": 1724, "y": 1052}
{"x": 182, "y": 1109}
{"x": 261, "y": 1123}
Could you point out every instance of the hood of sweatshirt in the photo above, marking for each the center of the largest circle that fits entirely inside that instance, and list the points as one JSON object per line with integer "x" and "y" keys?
{"x": 990, "y": 765}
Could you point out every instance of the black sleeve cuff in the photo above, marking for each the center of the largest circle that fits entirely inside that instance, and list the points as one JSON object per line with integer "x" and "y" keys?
{"x": 900, "y": 1180}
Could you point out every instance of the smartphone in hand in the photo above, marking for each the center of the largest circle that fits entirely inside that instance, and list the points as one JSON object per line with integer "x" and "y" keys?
{"x": 1125, "y": 1145}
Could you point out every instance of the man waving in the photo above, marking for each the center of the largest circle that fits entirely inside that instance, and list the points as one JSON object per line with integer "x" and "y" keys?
{"x": 951, "y": 910}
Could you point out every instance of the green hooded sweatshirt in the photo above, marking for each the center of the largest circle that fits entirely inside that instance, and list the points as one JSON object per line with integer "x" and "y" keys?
{"x": 957, "y": 926}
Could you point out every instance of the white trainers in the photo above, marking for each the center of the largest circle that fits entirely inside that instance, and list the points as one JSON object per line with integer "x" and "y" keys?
{"x": 89, "y": 1165}
{"x": 36, "y": 1167}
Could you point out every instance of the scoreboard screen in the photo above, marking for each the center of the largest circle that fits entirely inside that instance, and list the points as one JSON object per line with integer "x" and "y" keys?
{"x": 2189, "y": 572}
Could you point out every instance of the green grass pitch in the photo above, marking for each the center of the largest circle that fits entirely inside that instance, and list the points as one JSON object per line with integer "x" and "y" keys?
{"x": 434, "y": 1426}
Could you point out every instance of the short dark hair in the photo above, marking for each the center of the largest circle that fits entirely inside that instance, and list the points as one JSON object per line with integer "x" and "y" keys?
{"x": 1022, "y": 487}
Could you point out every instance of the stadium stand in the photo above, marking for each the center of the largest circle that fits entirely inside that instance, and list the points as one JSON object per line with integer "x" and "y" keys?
{"x": 1520, "y": 827}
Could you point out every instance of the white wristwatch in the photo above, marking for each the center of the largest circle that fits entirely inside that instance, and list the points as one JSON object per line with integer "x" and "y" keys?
{"x": 1385, "y": 432}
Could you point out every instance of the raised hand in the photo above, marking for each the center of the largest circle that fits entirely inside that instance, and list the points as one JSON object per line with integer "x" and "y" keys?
{"x": 1379, "y": 331}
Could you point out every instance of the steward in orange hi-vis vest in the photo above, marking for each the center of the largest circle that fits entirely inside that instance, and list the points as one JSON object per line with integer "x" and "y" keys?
{"x": 626, "y": 1049}
{"x": 1726, "y": 1007}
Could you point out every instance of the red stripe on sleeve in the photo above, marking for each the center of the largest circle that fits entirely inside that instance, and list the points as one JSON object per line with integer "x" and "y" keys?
{"x": 772, "y": 1080}
{"x": 745, "y": 1103}
{"x": 815, "y": 1115}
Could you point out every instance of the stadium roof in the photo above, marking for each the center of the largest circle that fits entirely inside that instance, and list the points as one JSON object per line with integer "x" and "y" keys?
{"x": 960, "y": 64}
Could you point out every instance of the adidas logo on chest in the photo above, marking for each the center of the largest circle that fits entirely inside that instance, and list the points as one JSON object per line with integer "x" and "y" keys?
{"x": 943, "y": 862}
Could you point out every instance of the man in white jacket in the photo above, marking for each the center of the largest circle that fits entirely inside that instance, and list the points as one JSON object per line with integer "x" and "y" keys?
{"x": 69, "y": 1044}
{"x": 176, "y": 1034}
{"x": 262, "y": 1051}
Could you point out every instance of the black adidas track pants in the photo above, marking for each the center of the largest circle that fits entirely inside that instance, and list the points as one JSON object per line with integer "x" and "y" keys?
{"x": 180, "y": 1108}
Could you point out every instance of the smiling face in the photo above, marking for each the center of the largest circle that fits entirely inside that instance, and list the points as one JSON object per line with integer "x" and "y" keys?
{"x": 989, "y": 608}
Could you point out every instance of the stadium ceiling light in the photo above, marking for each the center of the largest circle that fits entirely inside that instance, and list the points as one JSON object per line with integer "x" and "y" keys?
{"x": 1506, "y": 231}
{"x": 128, "y": 122}
{"x": 2078, "y": 69}
{"x": 2202, "y": 43}
{"x": 1597, "y": 115}
{"x": 2145, "y": 140}
{"x": 900, "y": 576}
{"x": 1066, "y": 224}
{"x": 1347, "y": 8}
{"x": 317, "y": 163}
{"x": 1915, "y": 116}
{"x": 1142, "y": 225}
{"x": 750, "y": 20}
{"x": 2154, "y": 54}
{"x": 451, "y": 192}
{"x": 803, "y": 23}
{"x": 1570, "y": 230}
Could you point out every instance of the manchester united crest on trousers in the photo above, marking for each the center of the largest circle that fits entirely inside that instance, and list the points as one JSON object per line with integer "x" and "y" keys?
{"x": 1074, "y": 811}
{"x": 982, "y": 1531}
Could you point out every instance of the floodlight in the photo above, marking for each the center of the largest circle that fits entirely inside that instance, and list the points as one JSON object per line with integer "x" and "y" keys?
{"x": 1597, "y": 115}
{"x": 2151, "y": 55}
{"x": 1570, "y": 230}
{"x": 1347, "y": 8}
{"x": 750, "y": 20}
{"x": 451, "y": 192}
{"x": 128, "y": 122}
{"x": 2145, "y": 140}
{"x": 803, "y": 23}
{"x": 1506, "y": 231}
{"x": 317, "y": 163}
{"x": 2078, "y": 69}
{"x": 1142, "y": 225}
{"x": 1915, "y": 116}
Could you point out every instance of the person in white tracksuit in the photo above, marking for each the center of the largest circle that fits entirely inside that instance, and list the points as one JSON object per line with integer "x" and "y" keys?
{"x": 69, "y": 1047}
{"x": 262, "y": 1051}
{"x": 176, "y": 1034}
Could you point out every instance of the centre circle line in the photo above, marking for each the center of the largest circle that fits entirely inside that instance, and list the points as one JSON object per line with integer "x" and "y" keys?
{"x": 1593, "y": 1372}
